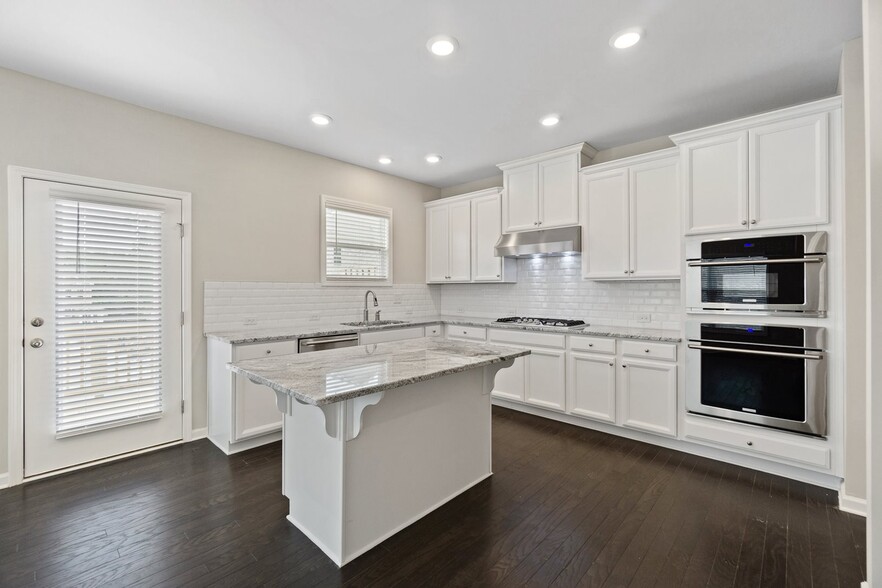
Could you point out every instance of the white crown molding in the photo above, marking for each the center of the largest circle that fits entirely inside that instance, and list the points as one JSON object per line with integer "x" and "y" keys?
{"x": 742, "y": 124}
{"x": 584, "y": 148}
{"x": 468, "y": 196}
{"x": 666, "y": 153}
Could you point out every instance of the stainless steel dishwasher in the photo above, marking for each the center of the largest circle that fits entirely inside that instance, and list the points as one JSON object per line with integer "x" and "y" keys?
{"x": 327, "y": 342}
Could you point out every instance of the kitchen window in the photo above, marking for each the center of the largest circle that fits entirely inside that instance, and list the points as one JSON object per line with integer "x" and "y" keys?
{"x": 356, "y": 242}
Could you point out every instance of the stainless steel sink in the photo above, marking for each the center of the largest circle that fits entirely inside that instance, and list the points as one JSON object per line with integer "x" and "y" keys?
{"x": 373, "y": 323}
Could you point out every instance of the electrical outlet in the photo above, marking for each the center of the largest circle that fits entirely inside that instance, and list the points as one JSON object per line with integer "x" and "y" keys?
{"x": 643, "y": 318}
{"x": 249, "y": 321}
{"x": 409, "y": 312}
{"x": 314, "y": 317}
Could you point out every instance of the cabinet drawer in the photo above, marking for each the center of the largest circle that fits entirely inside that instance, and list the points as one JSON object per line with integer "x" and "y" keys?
{"x": 385, "y": 335}
{"x": 471, "y": 333}
{"x": 433, "y": 330}
{"x": 528, "y": 339}
{"x": 807, "y": 452}
{"x": 255, "y": 350}
{"x": 663, "y": 351}
{"x": 593, "y": 344}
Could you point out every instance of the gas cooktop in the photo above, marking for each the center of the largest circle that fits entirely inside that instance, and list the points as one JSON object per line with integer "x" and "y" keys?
{"x": 547, "y": 322}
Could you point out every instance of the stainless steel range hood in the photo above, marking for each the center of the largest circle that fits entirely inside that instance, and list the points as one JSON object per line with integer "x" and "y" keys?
{"x": 547, "y": 242}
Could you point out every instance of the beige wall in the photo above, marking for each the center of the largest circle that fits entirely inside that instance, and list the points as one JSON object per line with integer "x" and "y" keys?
{"x": 851, "y": 86}
{"x": 255, "y": 203}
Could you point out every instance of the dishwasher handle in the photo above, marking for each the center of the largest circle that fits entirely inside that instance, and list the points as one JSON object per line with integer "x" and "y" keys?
{"x": 326, "y": 340}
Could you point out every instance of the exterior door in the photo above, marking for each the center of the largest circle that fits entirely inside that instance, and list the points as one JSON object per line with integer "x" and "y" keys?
{"x": 103, "y": 338}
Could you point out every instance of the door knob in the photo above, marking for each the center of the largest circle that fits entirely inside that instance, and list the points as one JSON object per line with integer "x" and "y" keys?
{"x": 37, "y": 322}
{"x": 36, "y": 343}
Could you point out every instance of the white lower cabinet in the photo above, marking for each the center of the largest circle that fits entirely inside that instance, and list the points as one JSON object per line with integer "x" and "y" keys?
{"x": 539, "y": 378}
{"x": 241, "y": 414}
{"x": 591, "y": 386}
{"x": 546, "y": 382}
{"x": 649, "y": 395}
{"x": 386, "y": 335}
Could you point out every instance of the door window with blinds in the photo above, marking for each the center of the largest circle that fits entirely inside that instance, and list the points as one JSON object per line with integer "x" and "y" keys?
{"x": 356, "y": 242}
{"x": 108, "y": 315}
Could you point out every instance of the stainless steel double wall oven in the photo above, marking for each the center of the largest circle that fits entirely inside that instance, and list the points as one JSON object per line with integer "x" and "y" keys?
{"x": 769, "y": 374}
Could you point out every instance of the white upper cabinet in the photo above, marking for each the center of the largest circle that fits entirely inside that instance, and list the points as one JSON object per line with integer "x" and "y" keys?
{"x": 522, "y": 198}
{"x": 767, "y": 171}
{"x": 437, "y": 243}
{"x": 716, "y": 183}
{"x": 461, "y": 236}
{"x": 486, "y": 230}
{"x": 605, "y": 228}
{"x": 542, "y": 192}
{"x": 631, "y": 219}
{"x": 655, "y": 219}
{"x": 448, "y": 242}
{"x": 789, "y": 172}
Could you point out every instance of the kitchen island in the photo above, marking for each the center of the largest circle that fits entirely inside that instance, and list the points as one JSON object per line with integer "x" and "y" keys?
{"x": 377, "y": 436}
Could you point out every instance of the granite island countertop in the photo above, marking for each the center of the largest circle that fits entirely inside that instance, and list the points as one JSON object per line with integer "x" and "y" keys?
{"x": 266, "y": 335}
{"x": 340, "y": 374}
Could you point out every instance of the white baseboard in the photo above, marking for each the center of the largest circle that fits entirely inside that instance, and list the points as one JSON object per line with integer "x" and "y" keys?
{"x": 779, "y": 469}
{"x": 4, "y": 481}
{"x": 199, "y": 434}
{"x": 852, "y": 504}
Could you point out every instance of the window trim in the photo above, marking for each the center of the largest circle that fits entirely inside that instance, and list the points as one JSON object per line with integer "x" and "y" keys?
{"x": 354, "y": 206}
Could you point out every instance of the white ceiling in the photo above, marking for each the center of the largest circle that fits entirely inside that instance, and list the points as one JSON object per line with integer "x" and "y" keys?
{"x": 260, "y": 67}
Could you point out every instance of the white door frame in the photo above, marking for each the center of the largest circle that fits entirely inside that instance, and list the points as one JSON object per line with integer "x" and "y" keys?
{"x": 15, "y": 312}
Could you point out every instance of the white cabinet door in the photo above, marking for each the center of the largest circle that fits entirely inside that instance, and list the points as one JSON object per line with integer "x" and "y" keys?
{"x": 460, "y": 242}
{"x": 605, "y": 225}
{"x": 649, "y": 396}
{"x": 789, "y": 163}
{"x": 511, "y": 382}
{"x": 655, "y": 220}
{"x": 385, "y": 335}
{"x": 486, "y": 229}
{"x": 591, "y": 386}
{"x": 520, "y": 205}
{"x": 715, "y": 177}
{"x": 546, "y": 378}
{"x": 559, "y": 192}
{"x": 437, "y": 243}
{"x": 254, "y": 406}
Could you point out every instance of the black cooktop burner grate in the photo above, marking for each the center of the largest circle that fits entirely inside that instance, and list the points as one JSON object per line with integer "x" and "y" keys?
{"x": 548, "y": 322}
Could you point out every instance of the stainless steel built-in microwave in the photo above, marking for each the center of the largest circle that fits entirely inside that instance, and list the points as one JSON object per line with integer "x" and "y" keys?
{"x": 780, "y": 274}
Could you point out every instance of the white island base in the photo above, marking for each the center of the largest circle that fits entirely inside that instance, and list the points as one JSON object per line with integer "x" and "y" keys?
{"x": 360, "y": 470}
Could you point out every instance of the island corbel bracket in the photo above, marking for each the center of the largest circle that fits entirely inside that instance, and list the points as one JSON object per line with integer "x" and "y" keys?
{"x": 340, "y": 418}
{"x": 490, "y": 372}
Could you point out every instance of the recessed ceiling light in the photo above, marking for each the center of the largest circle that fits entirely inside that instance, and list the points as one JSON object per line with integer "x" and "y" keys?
{"x": 626, "y": 38}
{"x": 385, "y": 160}
{"x": 550, "y": 120}
{"x": 319, "y": 119}
{"x": 433, "y": 158}
{"x": 442, "y": 45}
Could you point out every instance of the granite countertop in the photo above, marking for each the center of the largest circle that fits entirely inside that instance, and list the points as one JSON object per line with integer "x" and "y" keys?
{"x": 267, "y": 335}
{"x": 340, "y": 374}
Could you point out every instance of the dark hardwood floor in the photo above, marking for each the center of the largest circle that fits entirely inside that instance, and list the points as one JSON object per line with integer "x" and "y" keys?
{"x": 565, "y": 507}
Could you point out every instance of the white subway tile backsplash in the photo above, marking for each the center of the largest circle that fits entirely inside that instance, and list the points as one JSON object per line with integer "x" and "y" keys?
{"x": 553, "y": 286}
{"x": 546, "y": 286}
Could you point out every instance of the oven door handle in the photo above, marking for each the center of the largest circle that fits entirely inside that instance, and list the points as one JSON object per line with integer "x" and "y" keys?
{"x": 814, "y": 356}
{"x": 814, "y": 259}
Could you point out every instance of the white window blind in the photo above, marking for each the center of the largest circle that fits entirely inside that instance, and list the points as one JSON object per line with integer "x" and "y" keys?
{"x": 108, "y": 316}
{"x": 357, "y": 243}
